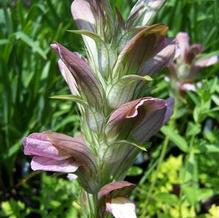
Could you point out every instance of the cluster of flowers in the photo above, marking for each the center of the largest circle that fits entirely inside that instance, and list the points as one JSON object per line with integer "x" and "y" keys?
{"x": 188, "y": 62}
{"x": 116, "y": 119}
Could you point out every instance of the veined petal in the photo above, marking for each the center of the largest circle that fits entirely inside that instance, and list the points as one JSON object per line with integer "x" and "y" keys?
{"x": 140, "y": 48}
{"x": 165, "y": 55}
{"x": 69, "y": 78}
{"x": 75, "y": 146}
{"x": 142, "y": 117}
{"x": 115, "y": 189}
{"x": 48, "y": 164}
{"x": 86, "y": 81}
{"x": 58, "y": 148}
{"x": 38, "y": 144}
{"x": 121, "y": 208}
{"x": 143, "y": 12}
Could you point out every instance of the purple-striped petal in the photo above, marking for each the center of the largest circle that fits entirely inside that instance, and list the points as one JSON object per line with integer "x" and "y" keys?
{"x": 49, "y": 149}
{"x": 38, "y": 144}
{"x": 142, "y": 118}
{"x": 115, "y": 189}
{"x": 82, "y": 73}
{"x": 142, "y": 47}
{"x": 165, "y": 55}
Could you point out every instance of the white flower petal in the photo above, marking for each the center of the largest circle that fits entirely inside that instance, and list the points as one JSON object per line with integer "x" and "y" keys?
{"x": 121, "y": 208}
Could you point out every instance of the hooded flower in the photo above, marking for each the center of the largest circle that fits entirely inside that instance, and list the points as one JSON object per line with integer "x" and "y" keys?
{"x": 115, "y": 197}
{"x": 141, "y": 118}
{"x": 130, "y": 126}
{"x": 59, "y": 153}
{"x": 188, "y": 63}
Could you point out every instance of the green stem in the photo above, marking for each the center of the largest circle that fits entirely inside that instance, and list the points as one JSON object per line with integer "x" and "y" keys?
{"x": 152, "y": 186}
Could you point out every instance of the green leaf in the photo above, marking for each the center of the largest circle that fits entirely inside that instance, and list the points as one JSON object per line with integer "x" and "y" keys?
{"x": 134, "y": 171}
{"x": 141, "y": 147}
{"x": 193, "y": 129}
{"x": 70, "y": 98}
{"x": 211, "y": 148}
{"x": 30, "y": 42}
{"x": 175, "y": 137}
{"x": 167, "y": 198}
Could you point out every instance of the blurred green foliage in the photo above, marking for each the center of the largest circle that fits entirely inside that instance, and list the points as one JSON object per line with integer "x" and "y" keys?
{"x": 181, "y": 179}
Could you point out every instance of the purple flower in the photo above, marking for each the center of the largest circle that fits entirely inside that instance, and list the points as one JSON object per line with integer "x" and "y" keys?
{"x": 141, "y": 118}
{"x": 188, "y": 63}
{"x": 57, "y": 152}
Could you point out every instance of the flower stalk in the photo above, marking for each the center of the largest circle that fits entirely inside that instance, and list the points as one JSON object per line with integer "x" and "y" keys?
{"x": 116, "y": 119}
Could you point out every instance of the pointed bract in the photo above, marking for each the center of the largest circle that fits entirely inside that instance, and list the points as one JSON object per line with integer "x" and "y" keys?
{"x": 143, "y": 12}
{"x": 142, "y": 47}
{"x": 55, "y": 151}
{"x": 86, "y": 81}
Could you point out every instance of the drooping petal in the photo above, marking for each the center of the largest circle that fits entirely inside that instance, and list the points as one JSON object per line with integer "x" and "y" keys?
{"x": 60, "y": 148}
{"x": 143, "y": 46}
{"x": 115, "y": 189}
{"x": 206, "y": 62}
{"x": 142, "y": 118}
{"x": 69, "y": 78}
{"x": 183, "y": 43}
{"x": 121, "y": 208}
{"x": 48, "y": 164}
{"x": 86, "y": 81}
{"x": 143, "y": 12}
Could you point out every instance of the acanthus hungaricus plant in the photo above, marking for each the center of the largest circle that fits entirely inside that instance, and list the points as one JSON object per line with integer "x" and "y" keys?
{"x": 108, "y": 86}
{"x": 188, "y": 63}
